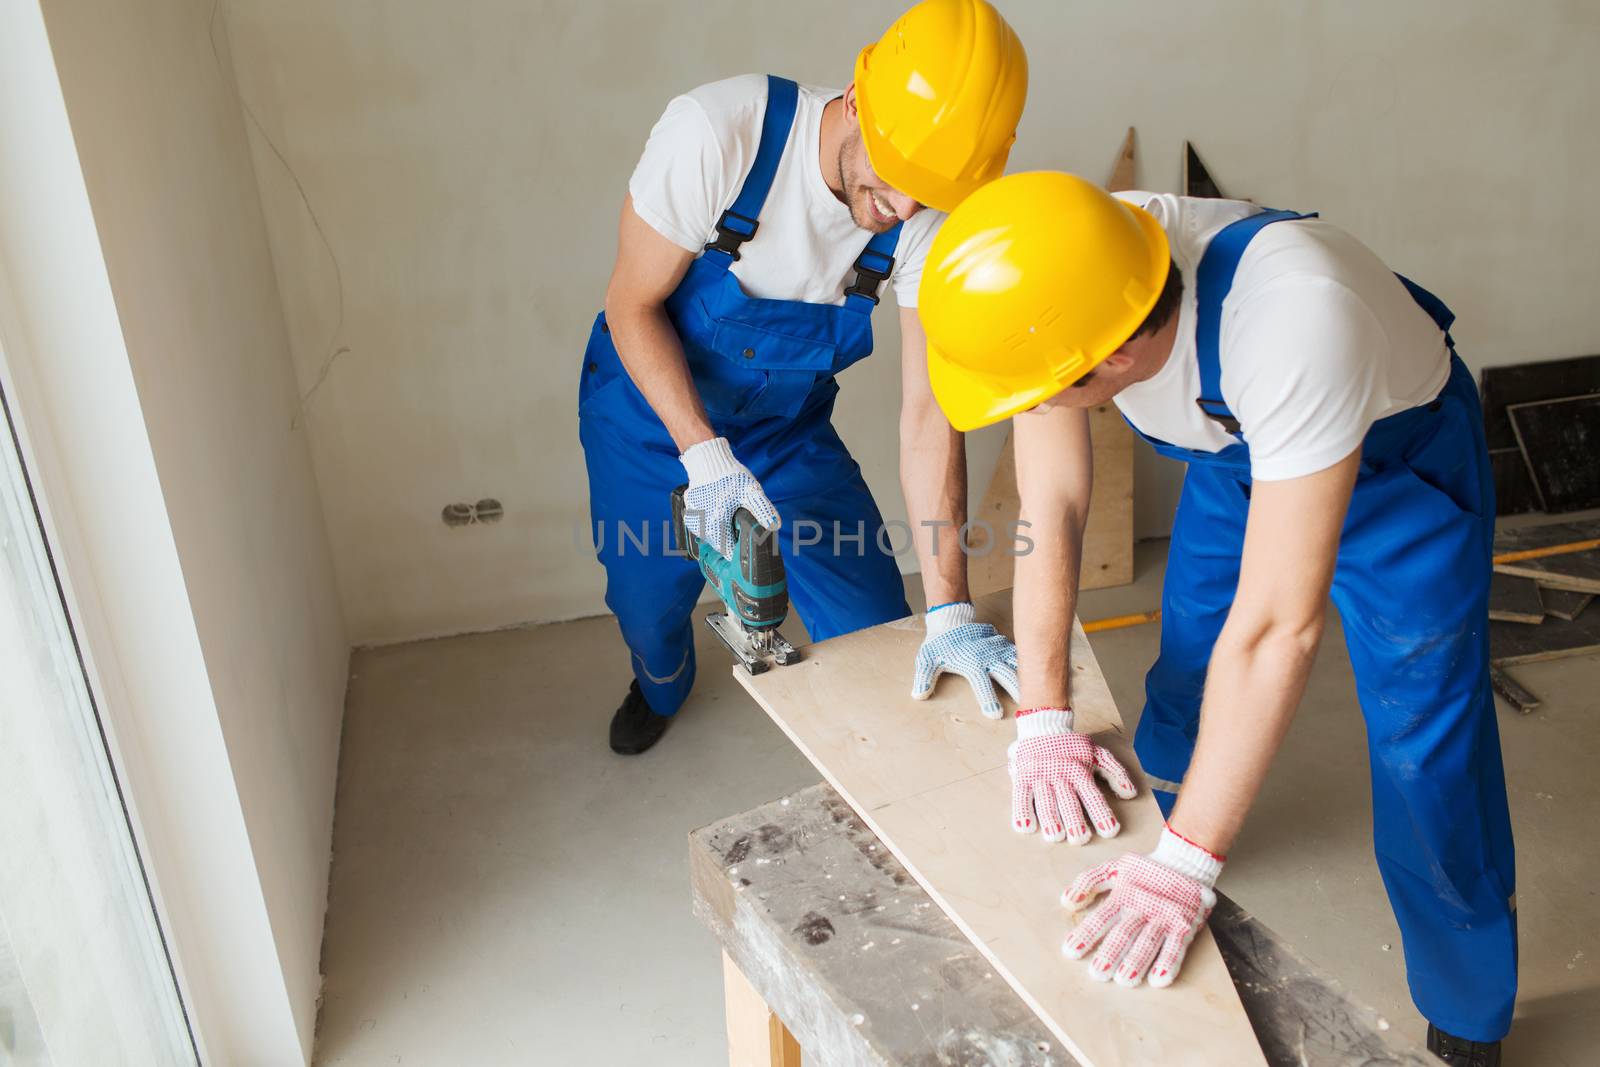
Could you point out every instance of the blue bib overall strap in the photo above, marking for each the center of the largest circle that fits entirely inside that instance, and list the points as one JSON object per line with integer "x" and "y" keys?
{"x": 740, "y": 222}
{"x": 873, "y": 267}
{"x": 1213, "y": 279}
{"x": 1421, "y": 517}
{"x": 764, "y": 370}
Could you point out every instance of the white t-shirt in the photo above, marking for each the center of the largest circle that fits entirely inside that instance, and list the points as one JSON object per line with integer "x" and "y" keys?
{"x": 695, "y": 163}
{"x": 1319, "y": 340}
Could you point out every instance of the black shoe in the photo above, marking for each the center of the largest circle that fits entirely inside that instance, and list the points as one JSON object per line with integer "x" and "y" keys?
{"x": 634, "y": 727}
{"x": 1459, "y": 1052}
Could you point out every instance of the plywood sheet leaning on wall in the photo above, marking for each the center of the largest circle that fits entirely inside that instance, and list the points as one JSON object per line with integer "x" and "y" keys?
{"x": 930, "y": 779}
{"x": 1108, "y": 538}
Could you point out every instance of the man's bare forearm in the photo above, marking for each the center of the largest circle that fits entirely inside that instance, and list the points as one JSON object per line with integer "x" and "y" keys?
{"x": 1253, "y": 686}
{"x": 1044, "y": 599}
{"x": 653, "y": 355}
{"x": 1055, "y": 478}
{"x": 648, "y": 269}
{"x": 933, "y": 477}
{"x": 1262, "y": 658}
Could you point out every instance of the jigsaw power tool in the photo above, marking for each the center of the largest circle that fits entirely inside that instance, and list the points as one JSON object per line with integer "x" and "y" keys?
{"x": 751, "y": 586}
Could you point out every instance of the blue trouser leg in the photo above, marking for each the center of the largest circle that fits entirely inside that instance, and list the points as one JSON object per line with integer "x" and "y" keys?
{"x": 633, "y": 469}
{"x": 1412, "y": 588}
{"x": 841, "y": 584}
{"x": 1202, "y": 575}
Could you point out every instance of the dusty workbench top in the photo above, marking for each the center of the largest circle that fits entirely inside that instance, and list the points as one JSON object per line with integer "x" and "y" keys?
{"x": 865, "y": 969}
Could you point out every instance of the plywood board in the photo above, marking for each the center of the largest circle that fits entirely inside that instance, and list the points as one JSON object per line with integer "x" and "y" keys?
{"x": 1513, "y": 488}
{"x": 1197, "y": 181}
{"x": 1560, "y": 439}
{"x": 1514, "y": 599}
{"x": 1564, "y": 604}
{"x": 1121, "y": 178}
{"x": 1526, "y": 382}
{"x": 1512, "y": 691}
{"x": 1511, "y": 642}
{"x": 930, "y": 779}
{"x": 1577, "y": 572}
{"x": 1108, "y": 537}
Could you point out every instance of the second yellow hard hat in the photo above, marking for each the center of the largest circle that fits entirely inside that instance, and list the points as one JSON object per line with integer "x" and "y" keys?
{"x": 1031, "y": 283}
{"x": 939, "y": 97}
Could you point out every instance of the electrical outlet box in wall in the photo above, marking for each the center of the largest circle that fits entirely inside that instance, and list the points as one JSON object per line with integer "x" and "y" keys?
{"x": 486, "y": 510}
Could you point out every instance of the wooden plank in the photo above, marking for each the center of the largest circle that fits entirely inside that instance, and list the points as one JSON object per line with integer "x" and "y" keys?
{"x": 840, "y": 941}
{"x": 1511, "y": 642}
{"x": 1560, "y": 441}
{"x": 1577, "y": 572}
{"x": 1514, "y": 599}
{"x": 1526, "y": 382}
{"x": 756, "y": 1036}
{"x": 1512, "y": 691}
{"x": 1197, "y": 181}
{"x": 930, "y": 779}
{"x": 1122, "y": 170}
{"x": 1563, "y": 603}
{"x": 1108, "y": 537}
{"x": 1544, "y": 536}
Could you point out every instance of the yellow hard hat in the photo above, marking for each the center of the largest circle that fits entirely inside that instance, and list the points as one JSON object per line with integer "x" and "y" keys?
{"x": 1032, "y": 282}
{"x": 939, "y": 98}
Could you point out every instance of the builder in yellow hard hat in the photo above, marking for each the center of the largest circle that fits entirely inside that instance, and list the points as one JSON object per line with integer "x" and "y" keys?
{"x": 760, "y": 225}
{"x": 1334, "y": 443}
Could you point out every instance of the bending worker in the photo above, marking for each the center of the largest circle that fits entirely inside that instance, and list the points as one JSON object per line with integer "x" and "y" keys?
{"x": 1334, "y": 442}
{"x": 760, "y": 225}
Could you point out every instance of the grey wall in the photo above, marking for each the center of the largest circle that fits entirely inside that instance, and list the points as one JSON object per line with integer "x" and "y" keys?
{"x": 140, "y": 318}
{"x": 442, "y": 184}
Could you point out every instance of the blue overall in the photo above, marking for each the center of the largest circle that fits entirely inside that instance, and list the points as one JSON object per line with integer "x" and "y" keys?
{"x": 765, "y": 372}
{"x": 1411, "y": 584}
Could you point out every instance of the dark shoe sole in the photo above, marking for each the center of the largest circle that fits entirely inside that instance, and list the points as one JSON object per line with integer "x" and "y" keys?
{"x": 634, "y": 727}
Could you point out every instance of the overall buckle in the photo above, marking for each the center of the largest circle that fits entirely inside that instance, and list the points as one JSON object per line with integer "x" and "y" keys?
{"x": 733, "y": 230}
{"x": 872, "y": 270}
{"x": 1223, "y": 418}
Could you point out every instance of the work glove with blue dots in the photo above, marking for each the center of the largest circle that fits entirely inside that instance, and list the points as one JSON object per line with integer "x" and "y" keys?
{"x": 958, "y": 643}
{"x": 719, "y": 486}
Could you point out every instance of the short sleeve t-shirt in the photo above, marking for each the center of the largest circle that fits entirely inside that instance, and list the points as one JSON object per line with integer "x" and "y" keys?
{"x": 695, "y": 163}
{"x": 1319, "y": 340}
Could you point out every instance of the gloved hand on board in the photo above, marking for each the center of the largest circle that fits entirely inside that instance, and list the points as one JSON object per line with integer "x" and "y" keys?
{"x": 1052, "y": 779}
{"x": 958, "y": 643}
{"x": 719, "y": 486}
{"x": 1157, "y": 903}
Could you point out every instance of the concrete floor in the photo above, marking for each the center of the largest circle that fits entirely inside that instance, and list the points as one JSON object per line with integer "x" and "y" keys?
{"x": 507, "y": 891}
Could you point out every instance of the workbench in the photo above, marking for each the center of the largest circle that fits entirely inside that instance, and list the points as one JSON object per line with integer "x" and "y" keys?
{"x": 829, "y": 946}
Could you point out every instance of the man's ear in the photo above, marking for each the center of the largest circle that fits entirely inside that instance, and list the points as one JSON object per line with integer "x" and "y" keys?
{"x": 1118, "y": 361}
{"x": 850, "y": 101}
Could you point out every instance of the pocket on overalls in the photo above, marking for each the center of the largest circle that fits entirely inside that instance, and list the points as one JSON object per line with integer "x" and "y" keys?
{"x": 753, "y": 372}
{"x": 601, "y": 372}
{"x": 1450, "y": 460}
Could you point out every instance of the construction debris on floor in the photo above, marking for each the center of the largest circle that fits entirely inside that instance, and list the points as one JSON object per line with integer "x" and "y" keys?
{"x": 1545, "y": 576}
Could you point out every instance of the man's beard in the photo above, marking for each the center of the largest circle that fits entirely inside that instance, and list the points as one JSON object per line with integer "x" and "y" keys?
{"x": 859, "y": 199}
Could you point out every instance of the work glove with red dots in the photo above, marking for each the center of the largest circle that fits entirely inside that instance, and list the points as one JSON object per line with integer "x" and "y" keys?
{"x": 959, "y": 643}
{"x": 719, "y": 486}
{"x": 1052, "y": 779}
{"x": 1157, "y": 903}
